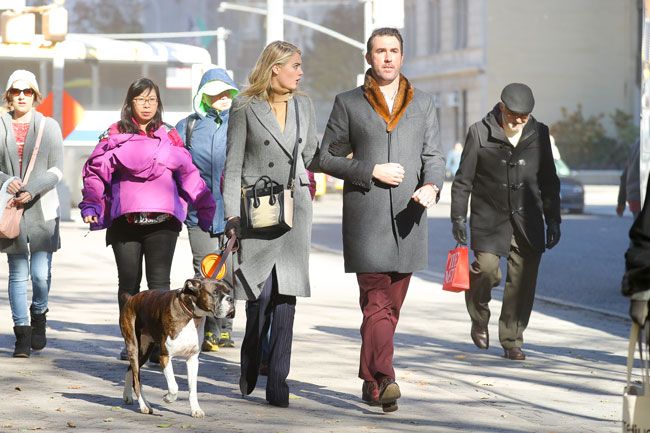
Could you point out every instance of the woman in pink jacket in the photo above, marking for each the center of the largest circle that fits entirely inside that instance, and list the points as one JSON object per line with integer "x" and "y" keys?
{"x": 136, "y": 184}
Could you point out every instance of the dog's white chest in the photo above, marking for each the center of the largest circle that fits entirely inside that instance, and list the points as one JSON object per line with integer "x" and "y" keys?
{"x": 186, "y": 343}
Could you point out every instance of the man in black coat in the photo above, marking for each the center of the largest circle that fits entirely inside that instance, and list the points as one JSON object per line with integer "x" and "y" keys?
{"x": 507, "y": 167}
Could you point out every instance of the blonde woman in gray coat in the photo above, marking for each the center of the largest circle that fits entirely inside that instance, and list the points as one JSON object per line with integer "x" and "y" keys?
{"x": 30, "y": 254}
{"x": 272, "y": 269}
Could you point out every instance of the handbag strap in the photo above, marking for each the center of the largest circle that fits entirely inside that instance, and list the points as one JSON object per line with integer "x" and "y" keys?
{"x": 292, "y": 173}
{"x": 32, "y": 160}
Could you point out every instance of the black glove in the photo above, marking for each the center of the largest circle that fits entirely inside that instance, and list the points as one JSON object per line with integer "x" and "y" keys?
{"x": 233, "y": 228}
{"x": 459, "y": 230}
{"x": 639, "y": 311}
{"x": 552, "y": 234}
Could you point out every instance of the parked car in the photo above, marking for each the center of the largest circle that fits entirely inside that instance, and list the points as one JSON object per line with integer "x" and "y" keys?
{"x": 572, "y": 192}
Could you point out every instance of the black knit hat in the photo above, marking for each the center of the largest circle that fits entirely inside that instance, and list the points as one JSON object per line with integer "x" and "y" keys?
{"x": 518, "y": 98}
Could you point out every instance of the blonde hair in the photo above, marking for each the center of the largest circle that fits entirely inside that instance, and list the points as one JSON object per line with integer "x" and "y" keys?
{"x": 275, "y": 53}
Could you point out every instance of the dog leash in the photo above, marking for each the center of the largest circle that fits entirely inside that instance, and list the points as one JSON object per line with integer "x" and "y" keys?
{"x": 224, "y": 256}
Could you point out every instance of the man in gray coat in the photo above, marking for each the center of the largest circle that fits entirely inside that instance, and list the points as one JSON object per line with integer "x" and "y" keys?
{"x": 507, "y": 167}
{"x": 382, "y": 139}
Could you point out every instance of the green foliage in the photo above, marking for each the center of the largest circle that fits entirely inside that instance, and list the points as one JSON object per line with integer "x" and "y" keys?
{"x": 584, "y": 143}
{"x": 331, "y": 66}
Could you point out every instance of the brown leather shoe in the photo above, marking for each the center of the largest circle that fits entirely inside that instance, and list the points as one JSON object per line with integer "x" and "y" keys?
{"x": 514, "y": 353}
{"x": 480, "y": 336}
{"x": 388, "y": 394}
{"x": 370, "y": 393}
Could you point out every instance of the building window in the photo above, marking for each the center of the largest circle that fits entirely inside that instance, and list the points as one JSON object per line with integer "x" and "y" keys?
{"x": 461, "y": 18}
{"x": 434, "y": 26}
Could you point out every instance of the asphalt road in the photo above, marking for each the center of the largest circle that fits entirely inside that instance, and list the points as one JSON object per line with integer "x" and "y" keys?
{"x": 585, "y": 269}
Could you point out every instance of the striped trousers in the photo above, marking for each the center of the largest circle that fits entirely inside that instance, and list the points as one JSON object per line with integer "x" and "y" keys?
{"x": 277, "y": 312}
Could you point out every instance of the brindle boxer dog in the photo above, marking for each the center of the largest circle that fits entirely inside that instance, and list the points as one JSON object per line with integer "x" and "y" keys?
{"x": 174, "y": 319}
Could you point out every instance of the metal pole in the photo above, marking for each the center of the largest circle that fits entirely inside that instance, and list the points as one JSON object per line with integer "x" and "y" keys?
{"x": 368, "y": 27}
{"x": 368, "y": 24}
{"x": 58, "y": 64}
{"x": 222, "y": 35}
{"x": 274, "y": 20}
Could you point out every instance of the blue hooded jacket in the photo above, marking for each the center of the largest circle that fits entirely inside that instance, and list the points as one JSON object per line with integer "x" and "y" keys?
{"x": 208, "y": 142}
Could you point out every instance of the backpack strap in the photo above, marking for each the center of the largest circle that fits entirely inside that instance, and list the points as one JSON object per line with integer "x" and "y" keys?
{"x": 189, "y": 128}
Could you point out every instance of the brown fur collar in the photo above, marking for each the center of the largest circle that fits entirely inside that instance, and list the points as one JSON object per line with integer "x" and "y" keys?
{"x": 378, "y": 102}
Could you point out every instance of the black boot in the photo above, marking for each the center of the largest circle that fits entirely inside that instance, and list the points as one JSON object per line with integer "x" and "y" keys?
{"x": 38, "y": 329}
{"x": 23, "y": 341}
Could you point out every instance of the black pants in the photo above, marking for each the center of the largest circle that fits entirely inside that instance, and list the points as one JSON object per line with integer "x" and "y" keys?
{"x": 258, "y": 320}
{"x": 132, "y": 243}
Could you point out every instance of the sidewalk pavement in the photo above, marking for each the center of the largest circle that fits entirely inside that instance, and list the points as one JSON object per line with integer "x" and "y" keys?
{"x": 571, "y": 382}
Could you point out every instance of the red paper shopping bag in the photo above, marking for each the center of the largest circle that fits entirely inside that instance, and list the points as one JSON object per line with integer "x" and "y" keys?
{"x": 457, "y": 270}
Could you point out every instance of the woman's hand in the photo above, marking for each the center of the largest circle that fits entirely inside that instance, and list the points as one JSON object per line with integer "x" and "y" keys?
{"x": 23, "y": 198}
{"x": 90, "y": 219}
{"x": 14, "y": 186}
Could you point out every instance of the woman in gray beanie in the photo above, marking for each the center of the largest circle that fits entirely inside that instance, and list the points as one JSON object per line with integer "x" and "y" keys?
{"x": 30, "y": 254}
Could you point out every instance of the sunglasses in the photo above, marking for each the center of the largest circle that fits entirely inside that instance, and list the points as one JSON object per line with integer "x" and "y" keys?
{"x": 13, "y": 92}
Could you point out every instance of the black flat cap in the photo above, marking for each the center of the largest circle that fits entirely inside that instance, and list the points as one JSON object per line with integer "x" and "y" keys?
{"x": 518, "y": 98}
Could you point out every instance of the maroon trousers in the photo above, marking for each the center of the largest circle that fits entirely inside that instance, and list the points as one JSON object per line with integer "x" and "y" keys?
{"x": 381, "y": 296}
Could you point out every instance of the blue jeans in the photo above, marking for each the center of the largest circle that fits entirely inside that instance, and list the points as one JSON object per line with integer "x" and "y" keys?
{"x": 21, "y": 267}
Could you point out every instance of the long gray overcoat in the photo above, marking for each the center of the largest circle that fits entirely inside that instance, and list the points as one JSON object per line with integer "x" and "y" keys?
{"x": 384, "y": 230}
{"x": 40, "y": 222}
{"x": 255, "y": 147}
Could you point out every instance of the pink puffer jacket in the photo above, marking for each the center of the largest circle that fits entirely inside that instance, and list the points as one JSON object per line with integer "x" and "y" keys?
{"x": 139, "y": 173}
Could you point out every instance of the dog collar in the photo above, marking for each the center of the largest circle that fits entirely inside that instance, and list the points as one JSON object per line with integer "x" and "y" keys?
{"x": 184, "y": 307}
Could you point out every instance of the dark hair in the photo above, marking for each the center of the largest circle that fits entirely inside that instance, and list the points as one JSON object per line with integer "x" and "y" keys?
{"x": 126, "y": 123}
{"x": 385, "y": 31}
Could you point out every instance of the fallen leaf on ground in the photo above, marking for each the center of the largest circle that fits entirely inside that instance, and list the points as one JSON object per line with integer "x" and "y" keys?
{"x": 74, "y": 387}
{"x": 165, "y": 425}
{"x": 71, "y": 424}
{"x": 293, "y": 397}
{"x": 18, "y": 388}
{"x": 108, "y": 420}
{"x": 460, "y": 357}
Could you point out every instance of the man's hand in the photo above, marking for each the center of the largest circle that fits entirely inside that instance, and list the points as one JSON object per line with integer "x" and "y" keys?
{"x": 459, "y": 230}
{"x": 390, "y": 173}
{"x": 426, "y": 195}
{"x": 233, "y": 228}
{"x": 90, "y": 219}
{"x": 639, "y": 311}
{"x": 552, "y": 234}
{"x": 620, "y": 210}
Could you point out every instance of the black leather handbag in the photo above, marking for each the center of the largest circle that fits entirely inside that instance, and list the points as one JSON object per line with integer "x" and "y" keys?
{"x": 267, "y": 205}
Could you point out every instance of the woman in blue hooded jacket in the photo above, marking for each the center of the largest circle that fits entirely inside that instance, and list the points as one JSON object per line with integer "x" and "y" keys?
{"x": 204, "y": 134}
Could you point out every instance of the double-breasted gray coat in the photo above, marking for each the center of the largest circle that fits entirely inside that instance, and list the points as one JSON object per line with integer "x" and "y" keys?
{"x": 509, "y": 186}
{"x": 255, "y": 147}
{"x": 40, "y": 222}
{"x": 384, "y": 230}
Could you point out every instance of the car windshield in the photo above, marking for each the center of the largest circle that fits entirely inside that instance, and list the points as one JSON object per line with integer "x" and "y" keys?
{"x": 561, "y": 168}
